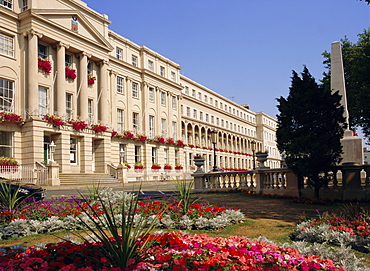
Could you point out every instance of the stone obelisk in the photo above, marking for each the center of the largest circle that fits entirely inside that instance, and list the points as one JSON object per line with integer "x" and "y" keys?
{"x": 352, "y": 145}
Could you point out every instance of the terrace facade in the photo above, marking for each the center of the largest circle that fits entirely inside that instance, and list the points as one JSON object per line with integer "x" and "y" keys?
{"x": 102, "y": 99}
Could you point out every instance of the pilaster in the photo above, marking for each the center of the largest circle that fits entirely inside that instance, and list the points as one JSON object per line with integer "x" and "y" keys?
{"x": 104, "y": 102}
{"x": 60, "y": 80}
{"x": 82, "y": 94}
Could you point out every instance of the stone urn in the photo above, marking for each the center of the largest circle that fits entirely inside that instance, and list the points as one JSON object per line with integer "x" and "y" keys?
{"x": 262, "y": 158}
{"x": 199, "y": 162}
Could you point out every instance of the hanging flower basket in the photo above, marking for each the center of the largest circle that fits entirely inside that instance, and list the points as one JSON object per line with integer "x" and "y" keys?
{"x": 167, "y": 167}
{"x": 10, "y": 117}
{"x": 156, "y": 166}
{"x": 126, "y": 164}
{"x": 99, "y": 128}
{"x": 160, "y": 139}
{"x": 70, "y": 73}
{"x": 180, "y": 143}
{"x": 91, "y": 79}
{"x": 78, "y": 125}
{"x": 128, "y": 135}
{"x": 178, "y": 167}
{"x": 44, "y": 65}
{"x": 54, "y": 120}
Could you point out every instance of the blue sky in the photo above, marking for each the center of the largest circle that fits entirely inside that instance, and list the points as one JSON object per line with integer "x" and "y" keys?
{"x": 243, "y": 49}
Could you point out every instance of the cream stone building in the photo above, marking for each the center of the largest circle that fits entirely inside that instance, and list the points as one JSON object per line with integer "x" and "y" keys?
{"x": 58, "y": 58}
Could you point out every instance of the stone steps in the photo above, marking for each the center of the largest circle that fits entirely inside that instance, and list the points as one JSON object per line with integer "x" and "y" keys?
{"x": 78, "y": 179}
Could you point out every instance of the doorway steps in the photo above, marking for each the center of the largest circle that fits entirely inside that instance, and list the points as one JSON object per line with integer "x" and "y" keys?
{"x": 86, "y": 179}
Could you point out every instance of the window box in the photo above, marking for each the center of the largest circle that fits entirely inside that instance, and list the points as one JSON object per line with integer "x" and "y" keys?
{"x": 128, "y": 135}
{"x": 156, "y": 166}
{"x": 160, "y": 139}
{"x": 91, "y": 79}
{"x": 126, "y": 164}
{"x": 8, "y": 162}
{"x": 180, "y": 143}
{"x": 167, "y": 167}
{"x": 99, "y": 128}
{"x": 54, "y": 120}
{"x": 44, "y": 65}
{"x": 170, "y": 140}
{"x": 70, "y": 73}
{"x": 141, "y": 137}
{"x": 138, "y": 166}
{"x": 178, "y": 167}
{"x": 10, "y": 117}
{"x": 78, "y": 125}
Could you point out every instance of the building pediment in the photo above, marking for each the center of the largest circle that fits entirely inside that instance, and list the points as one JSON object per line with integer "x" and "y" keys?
{"x": 75, "y": 23}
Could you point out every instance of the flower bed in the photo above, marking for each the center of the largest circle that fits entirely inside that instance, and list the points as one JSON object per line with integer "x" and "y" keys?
{"x": 171, "y": 251}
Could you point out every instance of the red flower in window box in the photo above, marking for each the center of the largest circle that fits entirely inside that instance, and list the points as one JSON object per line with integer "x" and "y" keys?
{"x": 70, "y": 73}
{"x": 205, "y": 148}
{"x": 114, "y": 133}
{"x": 128, "y": 135}
{"x": 191, "y": 145}
{"x": 44, "y": 65}
{"x": 91, "y": 79}
{"x": 99, "y": 128}
{"x": 170, "y": 140}
{"x": 178, "y": 167}
{"x": 126, "y": 164}
{"x": 78, "y": 125}
{"x": 138, "y": 165}
{"x": 141, "y": 137}
{"x": 180, "y": 143}
{"x": 160, "y": 139}
{"x": 10, "y": 117}
{"x": 54, "y": 120}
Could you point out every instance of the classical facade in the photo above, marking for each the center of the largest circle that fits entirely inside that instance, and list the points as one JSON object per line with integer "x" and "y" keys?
{"x": 102, "y": 99}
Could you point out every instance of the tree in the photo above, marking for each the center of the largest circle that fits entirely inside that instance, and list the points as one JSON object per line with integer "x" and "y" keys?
{"x": 356, "y": 62}
{"x": 310, "y": 126}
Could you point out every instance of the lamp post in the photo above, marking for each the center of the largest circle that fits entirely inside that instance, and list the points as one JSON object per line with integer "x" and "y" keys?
{"x": 253, "y": 145}
{"x": 214, "y": 141}
{"x": 52, "y": 150}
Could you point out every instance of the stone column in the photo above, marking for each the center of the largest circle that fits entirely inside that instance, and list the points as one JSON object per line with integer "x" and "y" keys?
{"x": 60, "y": 91}
{"x": 113, "y": 97}
{"x": 32, "y": 73}
{"x": 352, "y": 145}
{"x": 104, "y": 102}
{"x": 83, "y": 95}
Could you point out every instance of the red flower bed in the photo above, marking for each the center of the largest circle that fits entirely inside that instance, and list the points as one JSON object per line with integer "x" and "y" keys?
{"x": 171, "y": 251}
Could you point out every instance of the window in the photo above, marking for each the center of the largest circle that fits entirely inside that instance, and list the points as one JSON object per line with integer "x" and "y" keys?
{"x": 151, "y": 127}
{"x": 164, "y": 127}
{"x": 73, "y": 150}
{"x": 151, "y": 95}
{"x": 166, "y": 161}
{"x": 24, "y": 5}
{"x": 177, "y": 157}
{"x": 205, "y": 99}
{"x": 120, "y": 83}
{"x": 6, "y": 144}
{"x": 163, "y": 70}
{"x": 194, "y": 113}
{"x": 119, "y": 53}
{"x": 188, "y": 111}
{"x": 154, "y": 155}
{"x": 199, "y": 96}
{"x": 221, "y": 106}
{"x": 172, "y": 76}
{"x": 187, "y": 90}
{"x": 207, "y": 118}
{"x": 137, "y": 154}
{"x": 216, "y": 103}
{"x": 174, "y": 129}
{"x": 90, "y": 109}
{"x": 6, "y": 45}
{"x": 210, "y": 101}
{"x": 120, "y": 126}
{"x": 43, "y": 101}
{"x": 163, "y": 98}
{"x": 212, "y": 119}
{"x": 201, "y": 116}
{"x": 217, "y": 121}
{"x": 134, "y": 60}
{"x": 69, "y": 106}
{"x": 222, "y": 123}
{"x": 135, "y": 122}
{"x": 174, "y": 103}
{"x": 89, "y": 68}
{"x": 227, "y": 124}
{"x": 150, "y": 65}
{"x": 6, "y": 3}
{"x": 135, "y": 90}
{"x": 42, "y": 51}
{"x": 193, "y": 93}
{"x": 68, "y": 60}
{"x": 6, "y": 95}
{"x": 122, "y": 149}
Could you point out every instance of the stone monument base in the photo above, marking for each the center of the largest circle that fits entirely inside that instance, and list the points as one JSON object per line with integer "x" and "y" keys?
{"x": 352, "y": 149}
